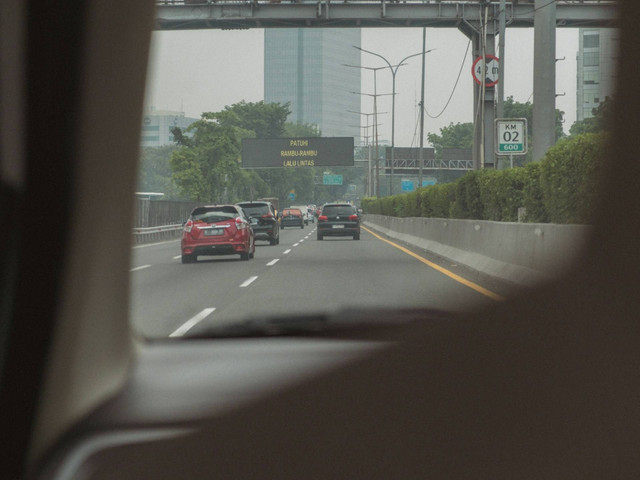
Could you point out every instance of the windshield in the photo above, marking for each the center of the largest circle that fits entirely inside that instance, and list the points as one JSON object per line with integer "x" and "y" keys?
{"x": 213, "y": 214}
{"x": 457, "y": 207}
{"x": 255, "y": 210}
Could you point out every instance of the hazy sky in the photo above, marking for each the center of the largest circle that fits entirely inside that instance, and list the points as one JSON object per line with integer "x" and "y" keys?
{"x": 205, "y": 70}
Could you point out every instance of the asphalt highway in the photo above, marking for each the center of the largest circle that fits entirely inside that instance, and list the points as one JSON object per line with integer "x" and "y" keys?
{"x": 301, "y": 275}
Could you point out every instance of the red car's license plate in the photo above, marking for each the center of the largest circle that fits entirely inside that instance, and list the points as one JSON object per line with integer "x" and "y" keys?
{"x": 214, "y": 231}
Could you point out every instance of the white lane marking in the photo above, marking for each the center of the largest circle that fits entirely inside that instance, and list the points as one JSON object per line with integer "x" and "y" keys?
{"x": 177, "y": 257}
{"x": 157, "y": 243}
{"x": 286, "y": 251}
{"x": 272, "y": 262}
{"x": 296, "y": 244}
{"x": 141, "y": 267}
{"x": 189, "y": 324}
{"x": 248, "y": 282}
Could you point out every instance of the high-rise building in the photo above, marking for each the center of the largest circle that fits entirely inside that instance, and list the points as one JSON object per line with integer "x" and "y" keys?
{"x": 306, "y": 67}
{"x": 597, "y": 58}
{"x": 157, "y": 126}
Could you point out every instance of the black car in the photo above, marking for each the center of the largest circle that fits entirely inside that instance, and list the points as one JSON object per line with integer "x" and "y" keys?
{"x": 263, "y": 220}
{"x": 339, "y": 220}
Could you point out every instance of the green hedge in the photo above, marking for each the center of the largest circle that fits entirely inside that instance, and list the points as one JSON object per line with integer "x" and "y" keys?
{"x": 562, "y": 188}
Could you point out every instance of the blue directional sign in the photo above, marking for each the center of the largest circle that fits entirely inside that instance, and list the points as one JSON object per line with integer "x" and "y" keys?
{"x": 407, "y": 185}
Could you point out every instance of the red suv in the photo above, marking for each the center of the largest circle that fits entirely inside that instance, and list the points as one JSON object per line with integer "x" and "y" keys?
{"x": 217, "y": 230}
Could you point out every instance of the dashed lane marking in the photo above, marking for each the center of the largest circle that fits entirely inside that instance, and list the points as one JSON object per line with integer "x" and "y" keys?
{"x": 248, "y": 282}
{"x": 272, "y": 262}
{"x": 189, "y": 324}
{"x": 141, "y": 267}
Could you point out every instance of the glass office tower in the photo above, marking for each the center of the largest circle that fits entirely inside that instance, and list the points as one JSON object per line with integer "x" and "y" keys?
{"x": 305, "y": 67}
{"x": 597, "y": 57}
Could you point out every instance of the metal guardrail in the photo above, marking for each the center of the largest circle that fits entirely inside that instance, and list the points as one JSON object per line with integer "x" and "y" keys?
{"x": 155, "y": 234}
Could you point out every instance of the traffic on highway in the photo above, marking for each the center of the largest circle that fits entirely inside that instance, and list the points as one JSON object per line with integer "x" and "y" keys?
{"x": 298, "y": 277}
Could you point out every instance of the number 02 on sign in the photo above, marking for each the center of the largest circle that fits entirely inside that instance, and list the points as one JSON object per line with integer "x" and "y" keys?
{"x": 511, "y": 136}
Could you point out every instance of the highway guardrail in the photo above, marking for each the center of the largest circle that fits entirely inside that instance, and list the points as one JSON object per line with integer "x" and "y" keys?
{"x": 156, "y": 234}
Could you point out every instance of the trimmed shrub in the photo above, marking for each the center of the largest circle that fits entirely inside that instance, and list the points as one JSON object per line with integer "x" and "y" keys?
{"x": 569, "y": 178}
{"x": 533, "y": 199}
{"x": 467, "y": 202}
{"x": 562, "y": 188}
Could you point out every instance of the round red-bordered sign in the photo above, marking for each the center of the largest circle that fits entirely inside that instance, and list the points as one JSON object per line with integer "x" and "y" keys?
{"x": 490, "y": 70}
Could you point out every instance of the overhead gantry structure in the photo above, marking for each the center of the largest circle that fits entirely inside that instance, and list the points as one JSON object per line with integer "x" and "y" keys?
{"x": 479, "y": 20}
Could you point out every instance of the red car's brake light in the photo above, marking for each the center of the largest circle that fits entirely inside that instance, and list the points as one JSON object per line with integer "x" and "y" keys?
{"x": 188, "y": 226}
{"x": 240, "y": 223}
{"x": 323, "y": 218}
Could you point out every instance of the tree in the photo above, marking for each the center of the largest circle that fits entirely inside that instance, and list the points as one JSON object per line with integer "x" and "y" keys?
{"x": 155, "y": 171}
{"x": 513, "y": 109}
{"x": 600, "y": 122}
{"x": 266, "y": 120}
{"x": 202, "y": 168}
{"x": 459, "y": 135}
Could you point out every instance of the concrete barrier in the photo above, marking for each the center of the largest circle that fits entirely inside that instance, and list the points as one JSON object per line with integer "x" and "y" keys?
{"x": 156, "y": 234}
{"x": 523, "y": 253}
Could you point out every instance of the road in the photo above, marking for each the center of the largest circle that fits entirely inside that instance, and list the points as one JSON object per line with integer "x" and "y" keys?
{"x": 301, "y": 275}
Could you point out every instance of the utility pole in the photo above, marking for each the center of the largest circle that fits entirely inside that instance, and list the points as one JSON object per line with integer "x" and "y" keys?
{"x": 501, "y": 69}
{"x": 421, "y": 153}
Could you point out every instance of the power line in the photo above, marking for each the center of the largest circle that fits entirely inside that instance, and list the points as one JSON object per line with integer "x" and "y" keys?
{"x": 464, "y": 59}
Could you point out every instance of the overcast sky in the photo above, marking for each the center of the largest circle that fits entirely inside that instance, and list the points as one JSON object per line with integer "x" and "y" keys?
{"x": 205, "y": 70}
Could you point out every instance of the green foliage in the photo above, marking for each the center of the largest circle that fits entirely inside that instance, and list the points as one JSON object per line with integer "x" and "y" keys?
{"x": 206, "y": 166}
{"x": 533, "y": 198}
{"x": 467, "y": 202}
{"x": 154, "y": 174}
{"x": 266, "y": 120}
{"x": 459, "y": 135}
{"x": 204, "y": 169}
{"x": 501, "y": 193}
{"x": 600, "y": 122}
{"x": 563, "y": 188}
{"x": 569, "y": 178}
{"x": 513, "y": 109}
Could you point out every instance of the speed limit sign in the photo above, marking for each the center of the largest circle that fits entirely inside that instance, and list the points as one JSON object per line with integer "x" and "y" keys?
{"x": 511, "y": 136}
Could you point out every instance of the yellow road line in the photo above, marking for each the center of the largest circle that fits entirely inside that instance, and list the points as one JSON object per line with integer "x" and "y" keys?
{"x": 457, "y": 278}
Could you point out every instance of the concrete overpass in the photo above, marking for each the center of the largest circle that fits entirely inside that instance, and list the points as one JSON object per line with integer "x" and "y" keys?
{"x": 479, "y": 20}
{"x": 194, "y": 14}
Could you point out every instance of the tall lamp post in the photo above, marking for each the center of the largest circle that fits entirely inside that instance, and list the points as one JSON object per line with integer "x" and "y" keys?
{"x": 375, "y": 117}
{"x": 375, "y": 127}
{"x": 394, "y": 70}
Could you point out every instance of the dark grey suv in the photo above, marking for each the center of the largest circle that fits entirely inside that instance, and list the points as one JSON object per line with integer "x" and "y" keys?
{"x": 339, "y": 220}
{"x": 263, "y": 220}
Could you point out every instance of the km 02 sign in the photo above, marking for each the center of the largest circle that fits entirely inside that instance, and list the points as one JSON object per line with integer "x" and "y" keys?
{"x": 511, "y": 136}
{"x": 297, "y": 152}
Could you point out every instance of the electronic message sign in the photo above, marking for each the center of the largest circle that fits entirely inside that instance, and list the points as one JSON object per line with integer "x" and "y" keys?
{"x": 297, "y": 152}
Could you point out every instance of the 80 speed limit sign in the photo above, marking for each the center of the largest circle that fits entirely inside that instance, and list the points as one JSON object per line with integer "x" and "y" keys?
{"x": 511, "y": 136}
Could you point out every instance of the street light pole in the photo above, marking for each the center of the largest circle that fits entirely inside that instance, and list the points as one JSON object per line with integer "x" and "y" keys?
{"x": 375, "y": 126}
{"x": 393, "y": 102}
{"x": 375, "y": 116}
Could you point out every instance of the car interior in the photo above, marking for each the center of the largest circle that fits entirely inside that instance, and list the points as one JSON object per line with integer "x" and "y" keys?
{"x": 543, "y": 385}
